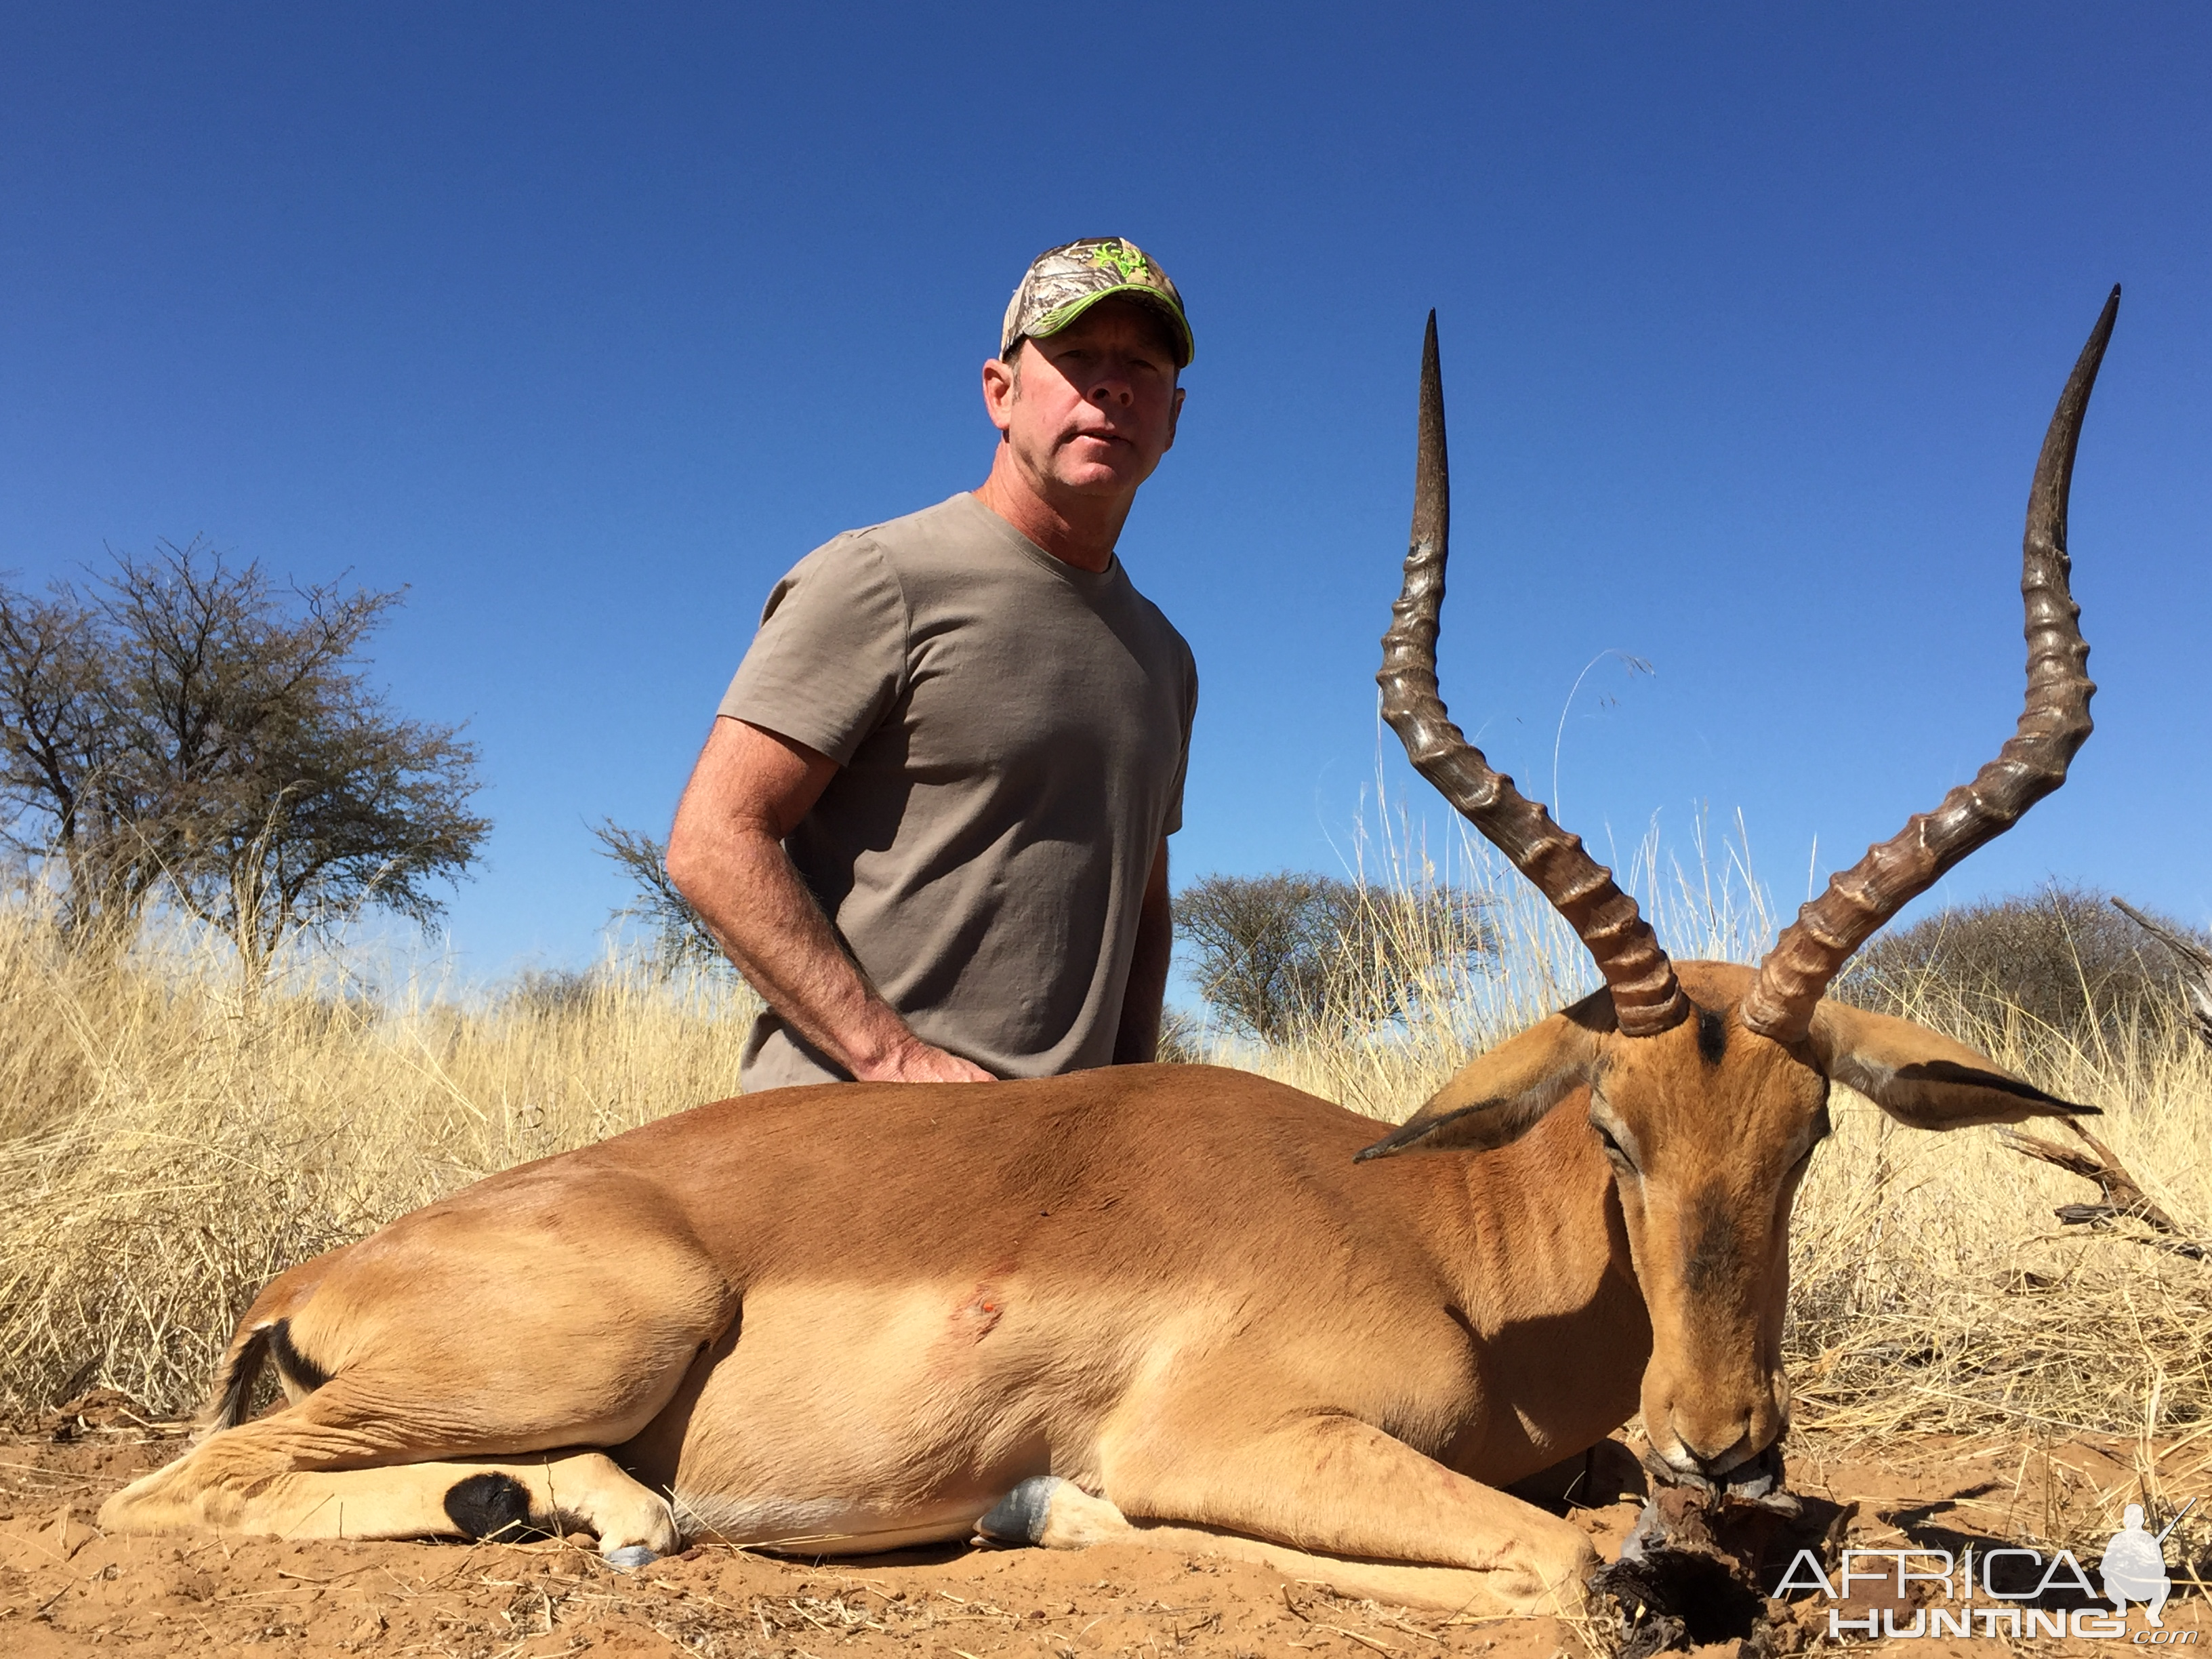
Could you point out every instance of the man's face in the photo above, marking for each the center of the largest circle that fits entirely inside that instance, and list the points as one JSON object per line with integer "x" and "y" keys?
{"x": 1094, "y": 407}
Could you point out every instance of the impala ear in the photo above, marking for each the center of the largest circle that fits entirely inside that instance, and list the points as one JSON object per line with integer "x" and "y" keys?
{"x": 1921, "y": 1077}
{"x": 1495, "y": 1099}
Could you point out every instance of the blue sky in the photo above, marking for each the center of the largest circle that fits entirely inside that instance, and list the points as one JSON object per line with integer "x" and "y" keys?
{"x": 584, "y": 322}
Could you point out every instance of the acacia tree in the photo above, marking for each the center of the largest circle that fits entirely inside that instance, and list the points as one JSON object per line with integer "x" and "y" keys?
{"x": 2062, "y": 957}
{"x": 680, "y": 935}
{"x": 191, "y": 729}
{"x": 1293, "y": 954}
{"x": 62, "y": 764}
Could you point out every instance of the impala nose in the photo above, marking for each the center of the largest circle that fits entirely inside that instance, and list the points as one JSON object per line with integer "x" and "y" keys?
{"x": 1734, "y": 1447}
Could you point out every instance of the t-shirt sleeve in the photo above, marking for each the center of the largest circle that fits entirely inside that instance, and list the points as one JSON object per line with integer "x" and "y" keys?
{"x": 829, "y": 660}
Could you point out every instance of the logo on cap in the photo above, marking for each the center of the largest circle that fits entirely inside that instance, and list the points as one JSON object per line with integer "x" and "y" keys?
{"x": 1125, "y": 259}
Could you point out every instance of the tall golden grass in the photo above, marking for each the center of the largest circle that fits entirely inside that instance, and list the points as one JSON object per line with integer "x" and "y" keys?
{"x": 165, "y": 1148}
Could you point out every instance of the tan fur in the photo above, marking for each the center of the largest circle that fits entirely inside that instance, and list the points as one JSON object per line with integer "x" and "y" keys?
{"x": 837, "y": 1319}
{"x": 1716, "y": 1150}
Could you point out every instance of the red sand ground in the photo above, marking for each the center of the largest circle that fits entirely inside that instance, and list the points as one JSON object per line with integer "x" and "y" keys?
{"x": 66, "y": 1589}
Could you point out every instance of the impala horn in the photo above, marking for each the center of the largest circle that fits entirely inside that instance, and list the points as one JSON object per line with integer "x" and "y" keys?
{"x": 1647, "y": 998}
{"x": 2032, "y": 764}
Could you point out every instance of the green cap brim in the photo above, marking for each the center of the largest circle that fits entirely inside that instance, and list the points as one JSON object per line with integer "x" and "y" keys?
{"x": 1059, "y": 316}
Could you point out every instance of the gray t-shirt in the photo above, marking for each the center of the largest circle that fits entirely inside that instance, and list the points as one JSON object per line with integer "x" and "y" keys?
{"x": 1012, "y": 733}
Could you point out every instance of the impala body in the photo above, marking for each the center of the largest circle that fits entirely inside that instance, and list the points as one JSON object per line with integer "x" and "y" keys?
{"x": 1173, "y": 1304}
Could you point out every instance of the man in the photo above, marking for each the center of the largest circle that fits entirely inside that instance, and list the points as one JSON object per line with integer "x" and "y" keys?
{"x": 930, "y": 822}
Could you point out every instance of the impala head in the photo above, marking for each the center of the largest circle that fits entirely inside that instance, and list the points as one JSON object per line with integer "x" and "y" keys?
{"x": 1707, "y": 1083}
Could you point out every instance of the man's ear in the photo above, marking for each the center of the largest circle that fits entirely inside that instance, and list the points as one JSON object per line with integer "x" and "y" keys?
{"x": 1922, "y": 1077}
{"x": 1002, "y": 384}
{"x": 1494, "y": 1100}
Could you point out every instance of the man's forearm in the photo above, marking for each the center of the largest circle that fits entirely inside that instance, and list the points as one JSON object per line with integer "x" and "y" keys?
{"x": 1137, "y": 1041}
{"x": 726, "y": 856}
{"x": 756, "y": 905}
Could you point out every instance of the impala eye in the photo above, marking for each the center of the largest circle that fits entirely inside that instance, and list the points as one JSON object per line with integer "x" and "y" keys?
{"x": 1612, "y": 1148}
{"x": 1821, "y": 1129}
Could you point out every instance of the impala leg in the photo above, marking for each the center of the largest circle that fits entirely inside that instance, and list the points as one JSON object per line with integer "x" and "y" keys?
{"x": 275, "y": 1474}
{"x": 462, "y": 1332}
{"x": 473, "y": 1498}
{"x": 1334, "y": 1487}
{"x": 1057, "y": 1514}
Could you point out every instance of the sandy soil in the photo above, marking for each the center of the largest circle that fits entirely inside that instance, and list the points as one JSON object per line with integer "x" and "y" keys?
{"x": 66, "y": 1589}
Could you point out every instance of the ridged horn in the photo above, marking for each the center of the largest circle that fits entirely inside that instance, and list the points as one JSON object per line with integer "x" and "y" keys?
{"x": 1646, "y": 997}
{"x": 2053, "y": 724}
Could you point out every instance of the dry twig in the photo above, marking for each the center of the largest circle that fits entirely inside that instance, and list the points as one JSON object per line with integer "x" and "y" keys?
{"x": 2195, "y": 963}
{"x": 2124, "y": 1197}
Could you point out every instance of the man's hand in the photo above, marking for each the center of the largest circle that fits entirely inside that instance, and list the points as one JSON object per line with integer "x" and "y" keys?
{"x": 726, "y": 855}
{"x": 918, "y": 1062}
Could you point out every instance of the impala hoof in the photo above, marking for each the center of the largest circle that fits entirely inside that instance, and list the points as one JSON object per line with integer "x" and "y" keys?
{"x": 630, "y": 1558}
{"x": 1019, "y": 1518}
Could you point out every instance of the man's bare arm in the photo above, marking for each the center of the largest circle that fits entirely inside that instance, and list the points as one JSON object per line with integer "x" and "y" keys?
{"x": 1139, "y": 1039}
{"x": 749, "y": 790}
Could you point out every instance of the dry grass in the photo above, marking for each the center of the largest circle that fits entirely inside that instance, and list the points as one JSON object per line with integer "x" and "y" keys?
{"x": 1934, "y": 1288}
{"x": 163, "y": 1151}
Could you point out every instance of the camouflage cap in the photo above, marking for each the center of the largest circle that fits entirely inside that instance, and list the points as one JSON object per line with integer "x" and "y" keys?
{"x": 1063, "y": 282}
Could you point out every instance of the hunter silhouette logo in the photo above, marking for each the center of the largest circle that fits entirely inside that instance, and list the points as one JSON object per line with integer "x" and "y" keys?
{"x": 2133, "y": 1567}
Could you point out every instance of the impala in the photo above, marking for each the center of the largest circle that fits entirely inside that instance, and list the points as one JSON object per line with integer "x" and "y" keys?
{"x": 1169, "y": 1304}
